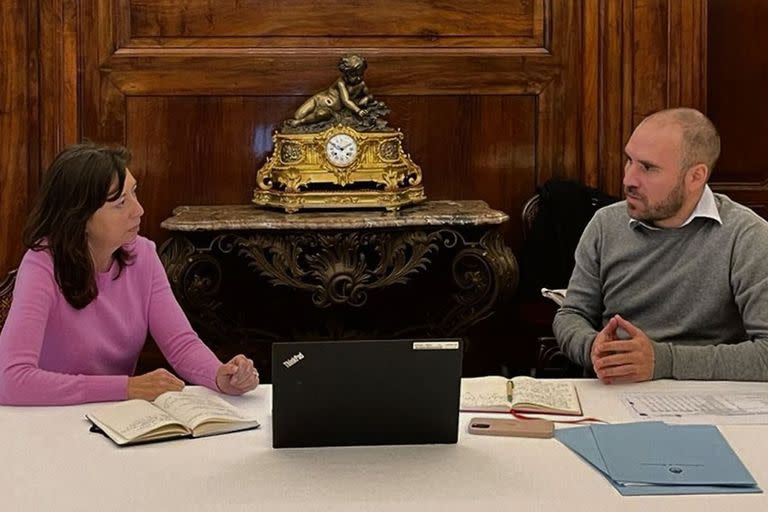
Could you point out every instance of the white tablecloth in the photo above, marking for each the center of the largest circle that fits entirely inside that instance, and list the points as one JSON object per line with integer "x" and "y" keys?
{"x": 50, "y": 461}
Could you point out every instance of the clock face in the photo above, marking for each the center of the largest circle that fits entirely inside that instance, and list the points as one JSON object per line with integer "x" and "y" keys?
{"x": 341, "y": 150}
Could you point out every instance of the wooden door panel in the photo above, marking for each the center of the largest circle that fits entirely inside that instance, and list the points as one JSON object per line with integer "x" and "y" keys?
{"x": 338, "y": 24}
{"x": 737, "y": 80}
{"x": 175, "y": 72}
{"x": 186, "y": 149}
{"x": 493, "y": 120}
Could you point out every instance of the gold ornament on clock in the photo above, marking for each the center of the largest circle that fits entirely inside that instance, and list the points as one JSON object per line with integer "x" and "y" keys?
{"x": 338, "y": 152}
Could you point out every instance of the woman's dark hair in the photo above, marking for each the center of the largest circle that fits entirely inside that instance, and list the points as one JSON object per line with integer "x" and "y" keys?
{"x": 78, "y": 182}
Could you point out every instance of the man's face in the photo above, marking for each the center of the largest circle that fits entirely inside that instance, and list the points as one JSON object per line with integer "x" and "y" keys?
{"x": 654, "y": 183}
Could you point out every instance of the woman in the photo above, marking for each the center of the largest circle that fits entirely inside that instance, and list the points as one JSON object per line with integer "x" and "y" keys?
{"x": 88, "y": 290}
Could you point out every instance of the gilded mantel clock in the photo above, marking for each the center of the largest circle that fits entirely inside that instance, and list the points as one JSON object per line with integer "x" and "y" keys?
{"x": 337, "y": 152}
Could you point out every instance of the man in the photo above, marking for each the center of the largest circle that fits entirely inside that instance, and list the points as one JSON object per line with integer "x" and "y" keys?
{"x": 673, "y": 281}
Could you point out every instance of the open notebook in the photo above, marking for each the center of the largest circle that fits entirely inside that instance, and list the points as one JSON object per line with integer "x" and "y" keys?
{"x": 171, "y": 415}
{"x": 519, "y": 394}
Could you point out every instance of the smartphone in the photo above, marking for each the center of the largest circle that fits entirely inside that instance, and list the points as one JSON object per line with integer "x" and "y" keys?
{"x": 511, "y": 427}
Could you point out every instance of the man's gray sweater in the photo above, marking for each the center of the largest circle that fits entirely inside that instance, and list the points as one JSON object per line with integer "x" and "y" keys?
{"x": 700, "y": 292}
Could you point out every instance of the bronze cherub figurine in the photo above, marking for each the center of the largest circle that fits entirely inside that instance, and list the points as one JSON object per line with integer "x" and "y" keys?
{"x": 337, "y": 152}
{"x": 347, "y": 102}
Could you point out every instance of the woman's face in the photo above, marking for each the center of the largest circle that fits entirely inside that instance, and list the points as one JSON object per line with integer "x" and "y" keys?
{"x": 116, "y": 222}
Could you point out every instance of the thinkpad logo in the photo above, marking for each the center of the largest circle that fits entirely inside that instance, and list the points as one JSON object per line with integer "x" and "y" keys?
{"x": 293, "y": 360}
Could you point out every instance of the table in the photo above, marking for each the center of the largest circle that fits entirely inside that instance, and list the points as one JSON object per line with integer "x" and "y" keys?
{"x": 51, "y": 462}
{"x": 248, "y": 276}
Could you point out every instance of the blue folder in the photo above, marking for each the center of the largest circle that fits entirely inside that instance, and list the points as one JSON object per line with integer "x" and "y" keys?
{"x": 653, "y": 458}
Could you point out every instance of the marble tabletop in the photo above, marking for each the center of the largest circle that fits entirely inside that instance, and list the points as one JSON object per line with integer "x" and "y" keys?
{"x": 247, "y": 217}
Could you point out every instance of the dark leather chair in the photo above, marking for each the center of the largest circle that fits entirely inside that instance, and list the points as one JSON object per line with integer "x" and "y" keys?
{"x": 552, "y": 223}
{"x": 551, "y": 362}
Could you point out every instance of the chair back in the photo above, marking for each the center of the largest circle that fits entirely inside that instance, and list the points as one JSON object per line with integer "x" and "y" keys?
{"x": 6, "y": 293}
{"x": 530, "y": 211}
{"x": 553, "y": 221}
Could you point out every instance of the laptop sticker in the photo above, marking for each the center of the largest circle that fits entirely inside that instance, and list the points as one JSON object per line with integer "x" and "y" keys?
{"x": 435, "y": 345}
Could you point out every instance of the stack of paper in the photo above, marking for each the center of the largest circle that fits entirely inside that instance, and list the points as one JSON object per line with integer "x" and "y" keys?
{"x": 656, "y": 458}
{"x": 558, "y": 296}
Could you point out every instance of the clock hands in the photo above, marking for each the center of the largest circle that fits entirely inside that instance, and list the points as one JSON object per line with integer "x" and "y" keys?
{"x": 341, "y": 150}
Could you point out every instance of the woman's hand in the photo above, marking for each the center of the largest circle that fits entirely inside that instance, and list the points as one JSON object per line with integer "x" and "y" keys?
{"x": 237, "y": 376}
{"x": 153, "y": 384}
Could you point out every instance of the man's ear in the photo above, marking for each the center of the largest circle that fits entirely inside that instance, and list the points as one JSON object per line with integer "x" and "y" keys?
{"x": 698, "y": 174}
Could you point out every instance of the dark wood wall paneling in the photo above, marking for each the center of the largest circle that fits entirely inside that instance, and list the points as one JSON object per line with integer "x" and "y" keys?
{"x": 481, "y": 23}
{"x": 737, "y": 81}
{"x": 481, "y": 97}
{"x": 494, "y": 98}
{"x": 184, "y": 146}
{"x": 18, "y": 123}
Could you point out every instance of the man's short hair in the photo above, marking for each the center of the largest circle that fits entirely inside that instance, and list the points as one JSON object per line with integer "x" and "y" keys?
{"x": 700, "y": 141}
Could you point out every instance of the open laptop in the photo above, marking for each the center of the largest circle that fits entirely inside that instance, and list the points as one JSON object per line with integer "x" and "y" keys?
{"x": 372, "y": 392}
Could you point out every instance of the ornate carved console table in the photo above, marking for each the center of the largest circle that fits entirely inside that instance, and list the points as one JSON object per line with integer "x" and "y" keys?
{"x": 247, "y": 276}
